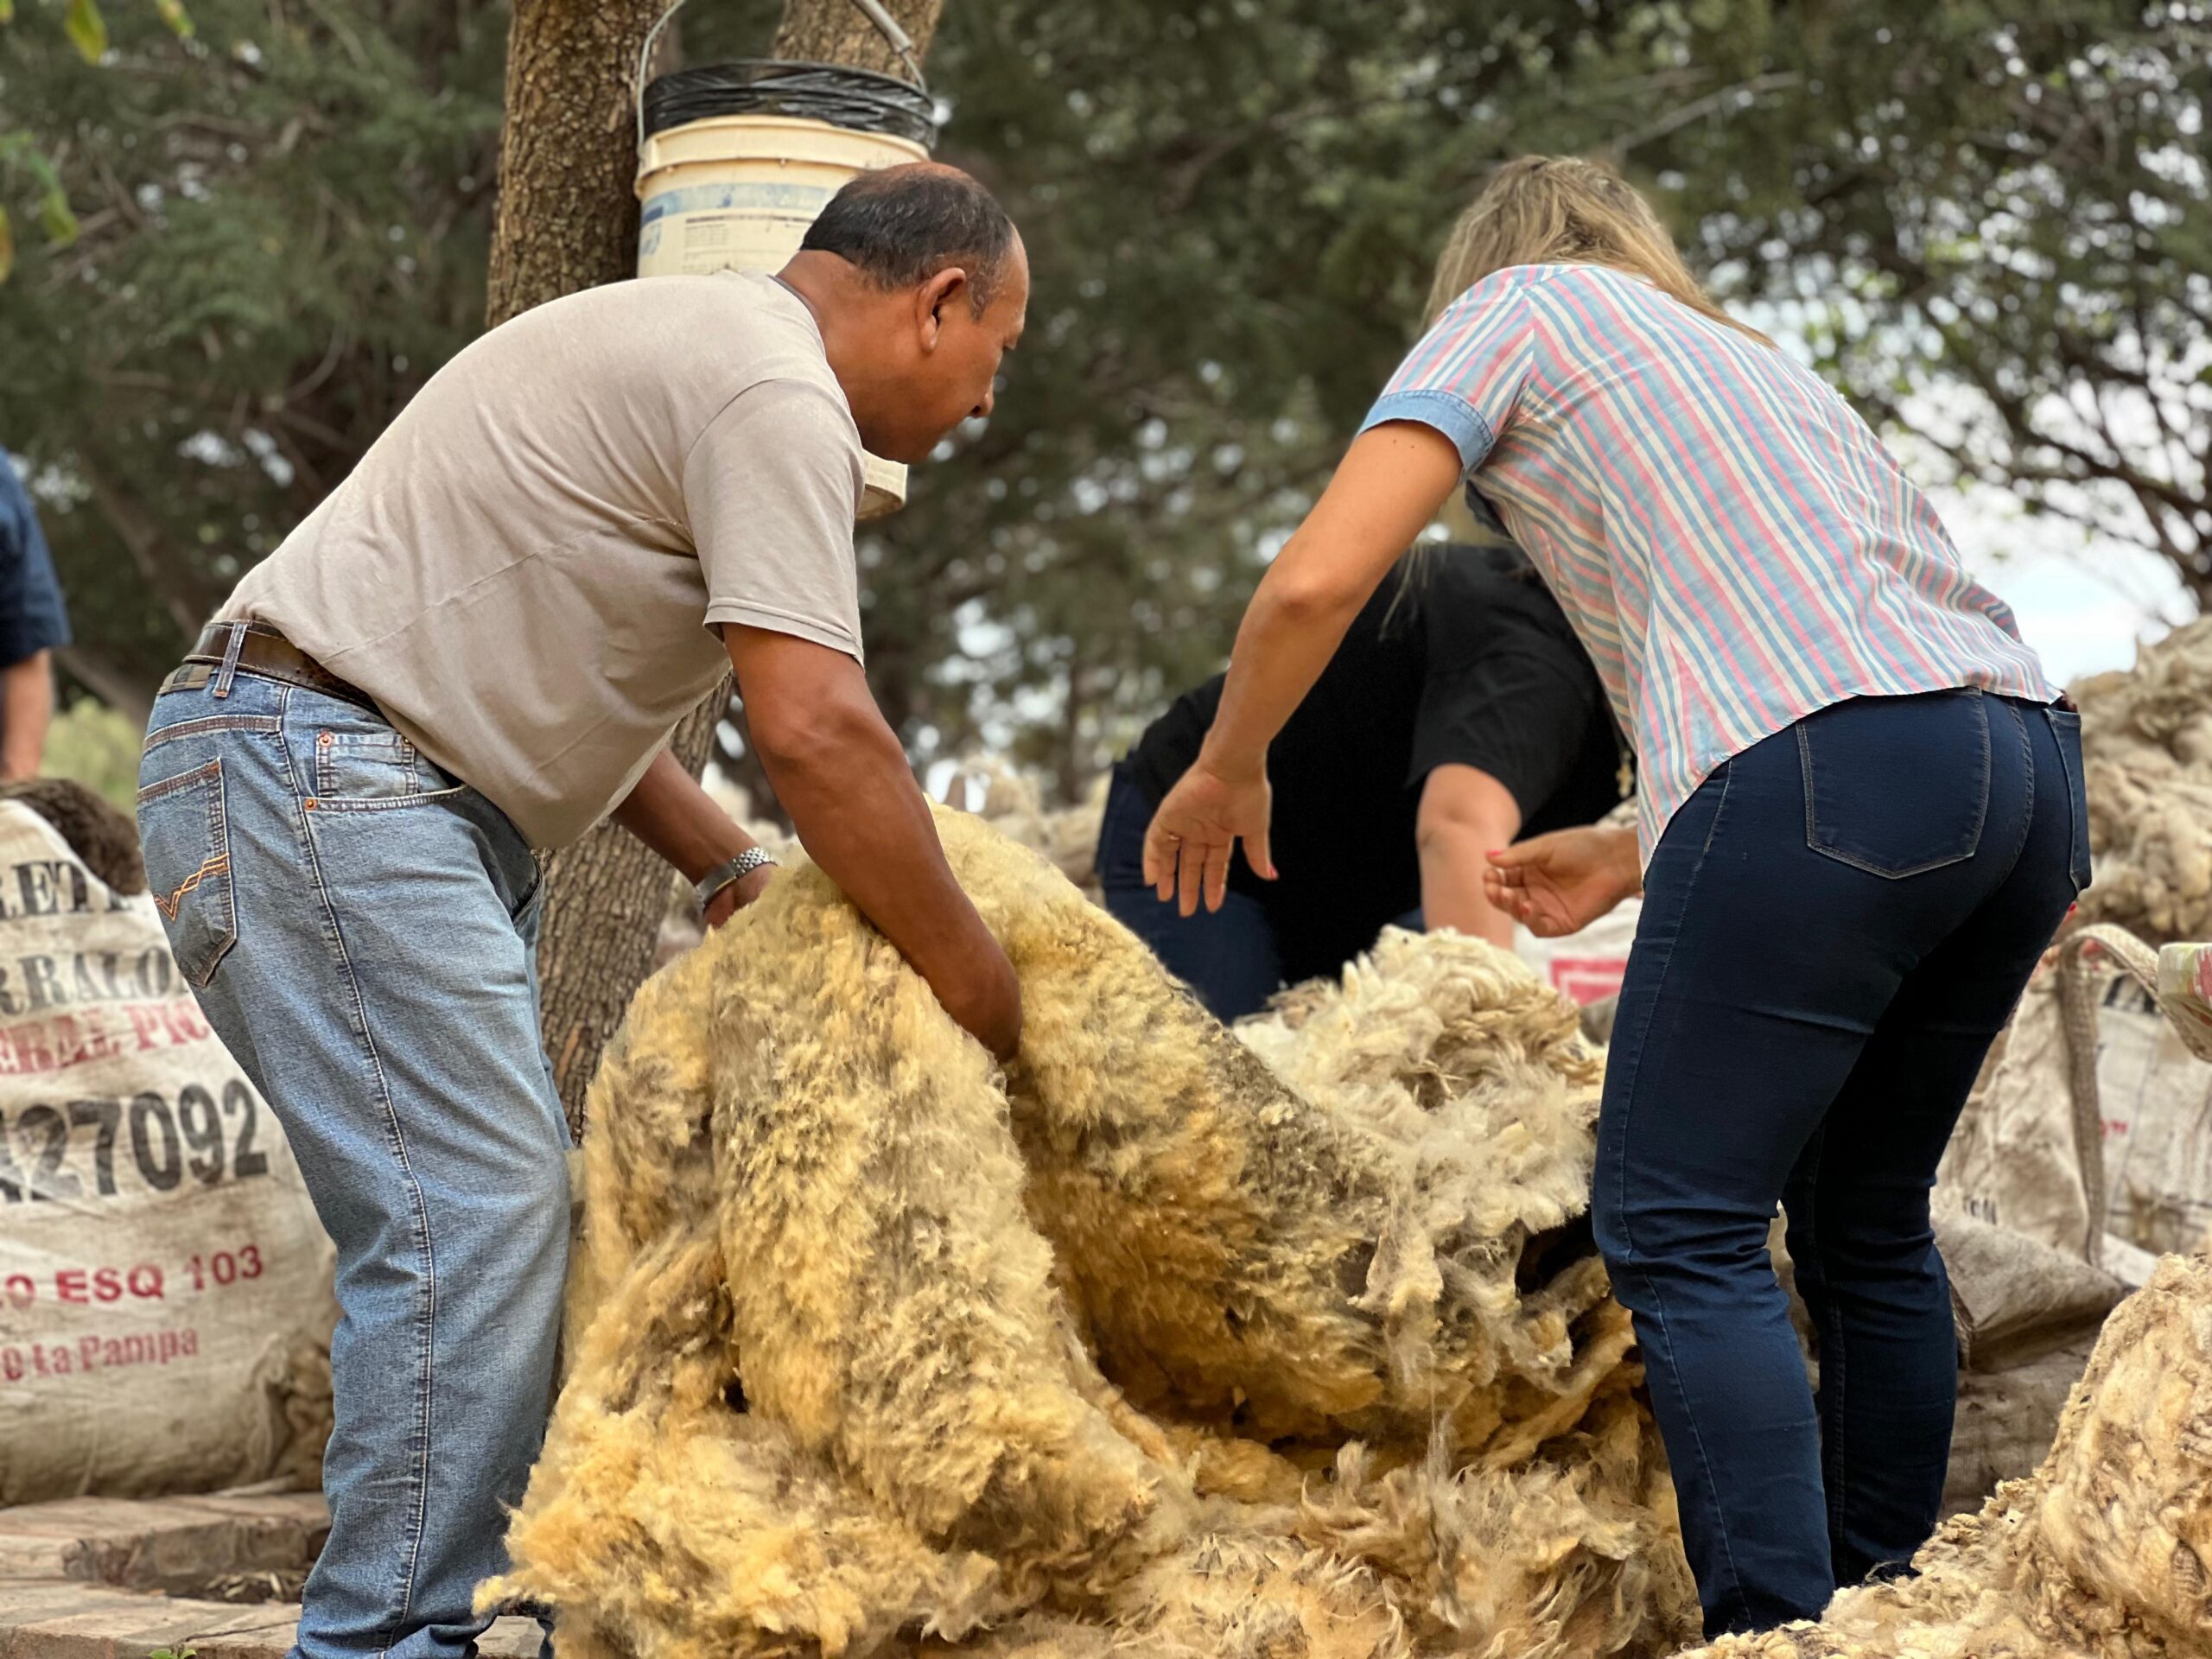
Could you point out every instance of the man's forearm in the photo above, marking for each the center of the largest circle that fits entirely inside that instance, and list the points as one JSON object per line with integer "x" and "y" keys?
{"x": 864, "y": 822}
{"x": 863, "y": 819}
{"x": 670, "y": 813}
{"x": 840, "y": 772}
{"x": 26, "y": 710}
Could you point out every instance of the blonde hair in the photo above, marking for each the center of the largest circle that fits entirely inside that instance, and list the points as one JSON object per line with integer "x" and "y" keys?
{"x": 1554, "y": 210}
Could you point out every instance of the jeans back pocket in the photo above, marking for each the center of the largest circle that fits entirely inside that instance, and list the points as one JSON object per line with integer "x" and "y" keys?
{"x": 2066, "y": 727}
{"x": 186, "y": 833}
{"x": 1896, "y": 786}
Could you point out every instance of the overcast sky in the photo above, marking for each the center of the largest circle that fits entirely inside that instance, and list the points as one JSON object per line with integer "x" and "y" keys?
{"x": 2084, "y": 603}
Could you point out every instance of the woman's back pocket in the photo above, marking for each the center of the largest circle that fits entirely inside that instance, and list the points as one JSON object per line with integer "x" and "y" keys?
{"x": 1896, "y": 785}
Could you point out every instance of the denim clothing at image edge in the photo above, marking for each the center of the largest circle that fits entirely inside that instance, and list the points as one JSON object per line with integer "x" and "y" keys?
{"x": 1836, "y": 925}
{"x": 361, "y": 931}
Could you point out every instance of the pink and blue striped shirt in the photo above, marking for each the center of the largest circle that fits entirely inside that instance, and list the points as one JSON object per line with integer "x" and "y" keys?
{"x": 1732, "y": 544}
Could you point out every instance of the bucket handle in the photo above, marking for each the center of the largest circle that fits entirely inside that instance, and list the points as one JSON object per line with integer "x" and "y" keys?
{"x": 886, "y": 25}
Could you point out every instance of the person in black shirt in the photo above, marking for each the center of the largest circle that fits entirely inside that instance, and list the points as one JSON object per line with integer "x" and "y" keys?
{"x": 1460, "y": 714}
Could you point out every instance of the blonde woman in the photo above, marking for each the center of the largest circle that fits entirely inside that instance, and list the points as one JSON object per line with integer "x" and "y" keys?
{"x": 1861, "y": 822}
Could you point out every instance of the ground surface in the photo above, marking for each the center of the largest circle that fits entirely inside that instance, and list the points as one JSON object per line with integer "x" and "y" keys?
{"x": 97, "y": 1578}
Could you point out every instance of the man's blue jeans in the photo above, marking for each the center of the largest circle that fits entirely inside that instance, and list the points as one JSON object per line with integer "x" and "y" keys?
{"x": 1835, "y": 926}
{"x": 360, "y": 931}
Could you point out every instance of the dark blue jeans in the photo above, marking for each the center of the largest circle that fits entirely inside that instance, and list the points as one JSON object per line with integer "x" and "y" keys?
{"x": 1230, "y": 957}
{"x": 1835, "y": 926}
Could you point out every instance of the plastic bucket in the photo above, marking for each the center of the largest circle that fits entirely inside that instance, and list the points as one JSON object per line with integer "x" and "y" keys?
{"x": 737, "y": 192}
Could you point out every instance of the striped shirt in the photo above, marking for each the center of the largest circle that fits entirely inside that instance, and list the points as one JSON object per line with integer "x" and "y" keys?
{"x": 1732, "y": 542}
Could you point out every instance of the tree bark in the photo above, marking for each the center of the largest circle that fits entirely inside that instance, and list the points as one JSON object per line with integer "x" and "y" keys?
{"x": 568, "y": 219}
{"x": 568, "y": 210}
{"x": 603, "y": 911}
{"x": 837, "y": 31}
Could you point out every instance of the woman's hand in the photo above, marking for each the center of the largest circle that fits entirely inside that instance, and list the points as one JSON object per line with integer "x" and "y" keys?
{"x": 1561, "y": 882}
{"x": 1196, "y": 829}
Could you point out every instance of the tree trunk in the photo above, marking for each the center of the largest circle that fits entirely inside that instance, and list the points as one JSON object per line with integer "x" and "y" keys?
{"x": 837, "y": 31}
{"x": 603, "y": 912}
{"x": 568, "y": 219}
{"x": 567, "y": 211}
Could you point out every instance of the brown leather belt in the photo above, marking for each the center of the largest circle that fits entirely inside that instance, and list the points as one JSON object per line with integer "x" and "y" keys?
{"x": 262, "y": 651}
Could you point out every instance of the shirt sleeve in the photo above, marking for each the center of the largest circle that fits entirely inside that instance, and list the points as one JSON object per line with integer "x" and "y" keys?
{"x": 1466, "y": 376}
{"x": 32, "y": 616}
{"x": 770, "y": 488}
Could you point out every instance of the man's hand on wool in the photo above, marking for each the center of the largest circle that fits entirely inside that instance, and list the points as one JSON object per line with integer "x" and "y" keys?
{"x": 739, "y": 893}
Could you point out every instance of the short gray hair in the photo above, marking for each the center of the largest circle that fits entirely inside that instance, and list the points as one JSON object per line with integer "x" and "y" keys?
{"x": 900, "y": 225}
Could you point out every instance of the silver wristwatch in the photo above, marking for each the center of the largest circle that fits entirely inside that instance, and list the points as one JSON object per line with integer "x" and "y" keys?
{"x": 709, "y": 886}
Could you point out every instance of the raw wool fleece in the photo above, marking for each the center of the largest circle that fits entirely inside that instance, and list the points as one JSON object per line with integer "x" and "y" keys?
{"x": 2146, "y": 743}
{"x": 848, "y": 1303}
{"x": 2101, "y": 1554}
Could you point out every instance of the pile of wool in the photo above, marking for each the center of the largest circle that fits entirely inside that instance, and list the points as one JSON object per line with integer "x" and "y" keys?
{"x": 1155, "y": 1338}
{"x": 2100, "y": 1554}
{"x": 1010, "y": 801}
{"x": 2147, "y": 739}
{"x": 1013, "y": 802}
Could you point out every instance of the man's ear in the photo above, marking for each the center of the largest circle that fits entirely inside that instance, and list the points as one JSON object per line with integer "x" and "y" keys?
{"x": 948, "y": 288}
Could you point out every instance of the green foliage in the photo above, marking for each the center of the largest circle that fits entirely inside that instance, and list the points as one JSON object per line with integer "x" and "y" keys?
{"x": 20, "y": 157}
{"x": 1231, "y": 207}
{"x": 98, "y": 746}
{"x": 86, "y": 29}
{"x": 284, "y": 216}
{"x": 2008, "y": 207}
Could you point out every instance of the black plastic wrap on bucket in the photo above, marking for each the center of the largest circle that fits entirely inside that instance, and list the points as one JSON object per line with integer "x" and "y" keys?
{"x": 858, "y": 99}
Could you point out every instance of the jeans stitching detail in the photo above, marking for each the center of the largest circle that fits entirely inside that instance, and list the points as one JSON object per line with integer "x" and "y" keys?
{"x": 216, "y": 862}
{"x": 207, "y": 723}
{"x": 389, "y": 803}
{"x": 2078, "y": 826}
{"x": 2028, "y": 795}
{"x": 1719, "y": 811}
{"x": 362, "y": 747}
{"x": 418, "y": 1524}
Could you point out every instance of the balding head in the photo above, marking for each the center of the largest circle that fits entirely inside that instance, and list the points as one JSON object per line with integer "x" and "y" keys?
{"x": 898, "y": 226}
{"x": 920, "y": 285}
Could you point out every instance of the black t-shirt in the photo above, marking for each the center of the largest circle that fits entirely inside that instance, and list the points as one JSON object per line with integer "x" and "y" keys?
{"x": 1469, "y": 661}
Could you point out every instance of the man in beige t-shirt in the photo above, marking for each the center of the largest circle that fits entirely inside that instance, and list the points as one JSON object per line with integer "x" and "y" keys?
{"x": 474, "y": 650}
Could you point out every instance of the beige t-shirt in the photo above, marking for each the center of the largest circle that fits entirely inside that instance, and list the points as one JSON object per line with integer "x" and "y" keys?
{"x": 525, "y": 569}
